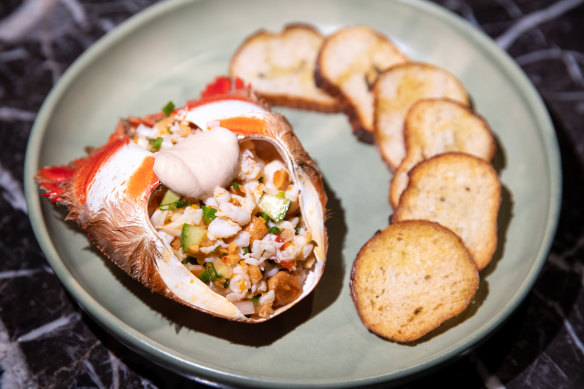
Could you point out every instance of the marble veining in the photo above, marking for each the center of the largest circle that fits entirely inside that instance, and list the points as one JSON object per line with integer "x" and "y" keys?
{"x": 15, "y": 371}
{"x": 46, "y": 340}
{"x": 12, "y": 190}
{"x": 532, "y": 20}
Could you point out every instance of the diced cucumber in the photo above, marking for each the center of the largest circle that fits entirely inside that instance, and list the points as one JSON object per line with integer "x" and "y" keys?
{"x": 274, "y": 206}
{"x": 191, "y": 235}
{"x": 170, "y": 197}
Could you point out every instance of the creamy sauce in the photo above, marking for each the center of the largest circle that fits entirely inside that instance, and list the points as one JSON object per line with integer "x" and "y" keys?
{"x": 200, "y": 163}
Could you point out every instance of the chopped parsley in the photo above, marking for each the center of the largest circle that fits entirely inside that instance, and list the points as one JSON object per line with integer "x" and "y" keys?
{"x": 265, "y": 216}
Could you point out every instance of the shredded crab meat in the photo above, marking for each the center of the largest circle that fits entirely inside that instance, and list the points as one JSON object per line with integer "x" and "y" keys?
{"x": 239, "y": 251}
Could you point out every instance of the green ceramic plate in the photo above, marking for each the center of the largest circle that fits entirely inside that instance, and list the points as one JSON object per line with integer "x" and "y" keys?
{"x": 169, "y": 52}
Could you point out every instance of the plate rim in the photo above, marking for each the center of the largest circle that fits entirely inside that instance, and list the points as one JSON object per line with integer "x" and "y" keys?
{"x": 161, "y": 354}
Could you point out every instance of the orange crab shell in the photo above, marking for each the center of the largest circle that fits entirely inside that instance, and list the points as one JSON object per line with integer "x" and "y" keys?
{"x": 107, "y": 195}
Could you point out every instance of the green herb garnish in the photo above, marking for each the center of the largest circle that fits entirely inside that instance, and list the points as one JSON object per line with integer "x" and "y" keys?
{"x": 255, "y": 300}
{"x": 189, "y": 260}
{"x": 235, "y": 185}
{"x": 261, "y": 180}
{"x": 209, "y": 274}
{"x": 155, "y": 143}
{"x": 246, "y": 250}
{"x": 281, "y": 195}
{"x": 208, "y": 214}
{"x": 274, "y": 230}
{"x": 168, "y": 108}
{"x": 174, "y": 205}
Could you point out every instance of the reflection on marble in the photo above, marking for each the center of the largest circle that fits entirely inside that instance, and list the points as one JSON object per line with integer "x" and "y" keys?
{"x": 47, "y": 341}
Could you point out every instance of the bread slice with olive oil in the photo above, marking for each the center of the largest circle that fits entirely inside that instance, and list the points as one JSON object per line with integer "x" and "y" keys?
{"x": 396, "y": 90}
{"x": 436, "y": 126}
{"x": 280, "y": 67}
{"x": 348, "y": 63}
{"x": 410, "y": 278}
{"x": 459, "y": 191}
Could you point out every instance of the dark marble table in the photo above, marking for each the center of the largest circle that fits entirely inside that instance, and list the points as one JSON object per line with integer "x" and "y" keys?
{"x": 47, "y": 341}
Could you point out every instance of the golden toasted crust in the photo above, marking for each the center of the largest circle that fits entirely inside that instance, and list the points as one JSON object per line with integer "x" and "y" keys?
{"x": 410, "y": 278}
{"x": 395, "y": 91}
{"x": 347, "y": 64}
{"x": 436, "y": 126}
{"x": 280, "y": 67}
{"x": 461, "y": 192}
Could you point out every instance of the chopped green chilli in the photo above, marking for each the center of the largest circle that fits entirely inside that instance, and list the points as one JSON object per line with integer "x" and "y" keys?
{"x": 155, "y": 143}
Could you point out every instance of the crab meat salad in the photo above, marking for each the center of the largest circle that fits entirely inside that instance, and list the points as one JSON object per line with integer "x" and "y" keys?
{"x": 215, "y": 205}
{"x": 246, "y": 240}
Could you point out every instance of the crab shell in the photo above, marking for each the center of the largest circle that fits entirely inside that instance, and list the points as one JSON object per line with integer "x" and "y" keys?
{"x": 107, "y": 195}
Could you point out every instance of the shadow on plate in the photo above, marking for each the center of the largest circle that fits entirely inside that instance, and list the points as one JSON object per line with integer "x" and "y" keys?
{"x": 505, "y": 210}
{"x": 503, "y": 221}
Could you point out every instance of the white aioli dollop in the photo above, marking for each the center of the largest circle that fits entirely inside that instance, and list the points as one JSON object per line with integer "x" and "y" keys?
{"x": 200, "y": 163}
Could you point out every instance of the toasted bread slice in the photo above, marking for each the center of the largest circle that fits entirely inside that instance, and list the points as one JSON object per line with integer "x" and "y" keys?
{"x": 461, "y": 192}
{"x": 436, "y": 126}
{"x": 410, "y": 278}
{"x": 280, "y": 67}
{"x": 348, "y": 63}
{"x": 396, "y": 90}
